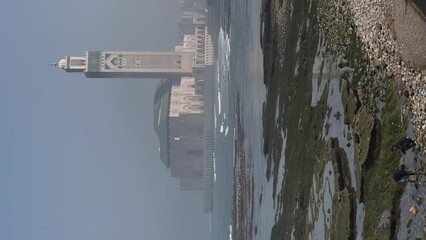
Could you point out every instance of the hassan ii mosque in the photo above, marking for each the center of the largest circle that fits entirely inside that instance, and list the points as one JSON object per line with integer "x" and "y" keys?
{"x": 183, "y": 102}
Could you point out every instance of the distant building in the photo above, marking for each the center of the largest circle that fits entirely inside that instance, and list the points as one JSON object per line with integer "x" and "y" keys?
{"x": 183, "y": 102}
{"x": 192, "y": 5}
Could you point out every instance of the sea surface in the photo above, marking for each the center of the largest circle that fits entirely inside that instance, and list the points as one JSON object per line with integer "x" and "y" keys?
{"x": 240, "y": 72}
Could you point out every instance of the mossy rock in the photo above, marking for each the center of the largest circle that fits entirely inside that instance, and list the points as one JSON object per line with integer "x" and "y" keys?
{"x": 341, "y": 215}
{"x": 364, "y": 124}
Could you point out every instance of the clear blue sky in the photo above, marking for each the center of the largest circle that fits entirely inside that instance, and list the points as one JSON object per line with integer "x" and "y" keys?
{"x": 79, "y": 157}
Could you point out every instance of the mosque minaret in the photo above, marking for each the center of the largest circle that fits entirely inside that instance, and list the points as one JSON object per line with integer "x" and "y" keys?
{"x": 115, "y": 64}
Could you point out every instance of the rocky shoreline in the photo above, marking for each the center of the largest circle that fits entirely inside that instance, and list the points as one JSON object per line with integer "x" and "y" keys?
{"x": 362, "y": 36}
{"x": 242, "y": 213}
{"x": 375, "y": 23}
{"x": 375, "y": 26}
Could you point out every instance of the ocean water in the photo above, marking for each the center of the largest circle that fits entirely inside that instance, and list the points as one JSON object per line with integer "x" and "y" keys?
{"x": 240, "y": 72}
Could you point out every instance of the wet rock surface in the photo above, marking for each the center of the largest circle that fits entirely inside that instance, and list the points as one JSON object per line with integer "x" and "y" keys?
{"x": 394, "y": 53}
{"x": 372, "y": 22}
{"x": 378, "y": 25}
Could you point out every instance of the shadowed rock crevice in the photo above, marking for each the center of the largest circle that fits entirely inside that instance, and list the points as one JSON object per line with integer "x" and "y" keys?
{"x": 372, "y": 154}
{"x": 373, "y": 149}
{"x": 342, "y": 173}
{"x": 395, "y": 213}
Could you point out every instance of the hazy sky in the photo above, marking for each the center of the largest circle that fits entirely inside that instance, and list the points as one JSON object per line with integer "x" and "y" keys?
{"x": 79, "y": 157}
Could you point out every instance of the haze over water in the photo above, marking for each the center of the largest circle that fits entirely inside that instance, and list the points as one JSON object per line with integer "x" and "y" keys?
{"x": 240, "y": 72}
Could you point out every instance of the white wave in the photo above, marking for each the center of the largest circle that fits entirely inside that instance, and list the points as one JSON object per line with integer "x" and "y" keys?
{"x": 215, "y": 119}
{"x": 214, "y": 166}
{"x": 217, "y": 71}
{"x": 222, "y": 69}
{"x": 221, "y": 127}
{"x": 219, "y": 107}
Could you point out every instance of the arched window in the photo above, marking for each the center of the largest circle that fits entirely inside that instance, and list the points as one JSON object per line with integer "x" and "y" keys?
{"x": 193, "y": 108}
{"x": 193, "y": 98}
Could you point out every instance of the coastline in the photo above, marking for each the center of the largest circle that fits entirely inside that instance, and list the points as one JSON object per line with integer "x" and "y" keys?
{"x": 369, "y": 44}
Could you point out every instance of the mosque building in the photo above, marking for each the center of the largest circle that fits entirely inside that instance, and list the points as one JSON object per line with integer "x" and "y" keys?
{"x": 183, "y": 102}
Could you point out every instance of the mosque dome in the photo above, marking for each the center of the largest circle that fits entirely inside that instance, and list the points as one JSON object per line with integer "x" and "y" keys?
{"x": 62, "y": 63}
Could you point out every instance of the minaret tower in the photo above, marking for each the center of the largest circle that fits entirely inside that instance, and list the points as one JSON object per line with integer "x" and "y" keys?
{"x": 115, "y": 64}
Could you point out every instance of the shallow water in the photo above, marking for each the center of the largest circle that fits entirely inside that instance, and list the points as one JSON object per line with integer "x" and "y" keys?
{"x": 333, "y": 127}
{"x": 320, "y": 209}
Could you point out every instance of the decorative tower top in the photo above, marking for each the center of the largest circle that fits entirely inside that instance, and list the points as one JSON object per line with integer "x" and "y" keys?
{"x": 73, "y": 64}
